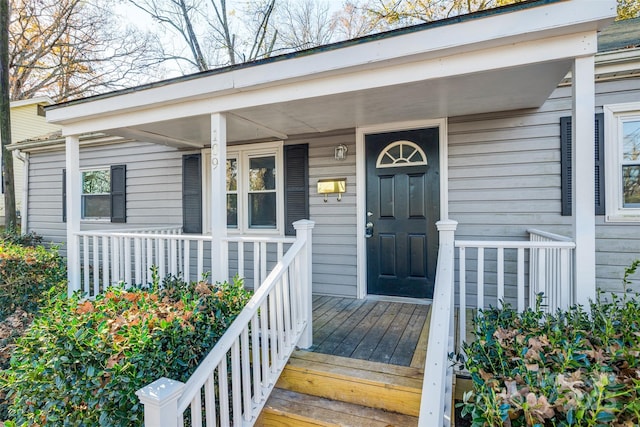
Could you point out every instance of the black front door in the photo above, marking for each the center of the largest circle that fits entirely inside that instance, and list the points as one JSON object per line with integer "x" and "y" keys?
{"x": 403, "y": 205}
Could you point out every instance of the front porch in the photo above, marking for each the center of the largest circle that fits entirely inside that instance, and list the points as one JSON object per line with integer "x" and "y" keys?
{"x": 370, "y": 332}
{"x": 368, "y": 329}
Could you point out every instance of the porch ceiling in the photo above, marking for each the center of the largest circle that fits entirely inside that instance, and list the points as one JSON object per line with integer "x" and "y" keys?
{"x": 526, "y": 86}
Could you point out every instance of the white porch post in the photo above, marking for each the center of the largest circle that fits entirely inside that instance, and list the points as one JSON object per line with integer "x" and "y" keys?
{"x": 304, "y": 231}
{"x": 219, "y": 264}
{"x": 160, "y": 400}
{"x": 72, "y": 151}
{"x": 583, "y": 178}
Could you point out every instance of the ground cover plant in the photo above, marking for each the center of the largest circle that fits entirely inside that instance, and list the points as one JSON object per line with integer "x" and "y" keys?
{"x": 29, "y": 273}
{"x": 81, "y": 361}
{"x": 569, "y": 368}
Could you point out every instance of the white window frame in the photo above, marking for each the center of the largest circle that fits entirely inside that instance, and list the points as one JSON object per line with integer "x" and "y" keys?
{"x": 82, "y": 194}
{"x": 614, "y": 117}
{"x": 243, "y": 153}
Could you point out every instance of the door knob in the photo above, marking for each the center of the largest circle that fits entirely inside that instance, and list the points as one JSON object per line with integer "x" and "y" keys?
{"x": 368, "y": 232}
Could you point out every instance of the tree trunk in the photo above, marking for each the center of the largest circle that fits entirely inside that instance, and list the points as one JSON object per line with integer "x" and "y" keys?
{"x": 10, "y": 220}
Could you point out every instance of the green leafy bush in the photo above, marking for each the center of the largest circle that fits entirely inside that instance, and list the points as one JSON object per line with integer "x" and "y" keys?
{"x": 13, "y": 236}
{"x": 81, "y": 362}
{"x": 26, "y": 274}
{"x": 571, "y": 368}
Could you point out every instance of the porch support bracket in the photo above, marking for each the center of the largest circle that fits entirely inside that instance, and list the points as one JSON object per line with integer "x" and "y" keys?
{"x": 219, "y": 256}
{"x": 72, "y": 160}
{"x": 583, "y": 176}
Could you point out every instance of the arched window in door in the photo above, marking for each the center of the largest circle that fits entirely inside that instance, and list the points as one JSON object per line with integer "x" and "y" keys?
{"x": 401, "y": 153}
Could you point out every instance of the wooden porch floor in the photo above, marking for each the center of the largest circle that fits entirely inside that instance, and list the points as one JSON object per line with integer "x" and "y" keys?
{"x": 378, "y": 331}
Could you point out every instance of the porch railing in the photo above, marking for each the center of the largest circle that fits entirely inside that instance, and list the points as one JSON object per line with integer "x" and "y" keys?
{"x": 232, "y": 384}
{"x": 437, "y": 386}
{"x": 547, "y": 271}
{"x": 113, "y": 257}
{"x": 498, "y": 275}
{"x": 501, "y": 265}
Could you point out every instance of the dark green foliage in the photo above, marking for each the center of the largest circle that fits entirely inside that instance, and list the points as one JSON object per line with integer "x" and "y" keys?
{"x": 28, "y": 276}
{"x": 81, "y": 362}
{"x": 14, "y": 236}
{"x": 27, "y": 273}
{"x": 570, "y": 368}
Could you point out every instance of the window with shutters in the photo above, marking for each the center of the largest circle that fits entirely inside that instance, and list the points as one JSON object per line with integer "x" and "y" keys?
{"x": 103, "y": 194}
{"x": 622, "y": 155}
{"x": 255, "y": 199}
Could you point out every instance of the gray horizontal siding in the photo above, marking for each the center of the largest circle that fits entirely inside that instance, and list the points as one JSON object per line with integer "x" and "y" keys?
{"x": 504, "y": 177}
{"x": 154, "y": 187}
{"x": 617, "y": 244}
{"x": 334, "y": 236}
{"x": 154, "y": 197}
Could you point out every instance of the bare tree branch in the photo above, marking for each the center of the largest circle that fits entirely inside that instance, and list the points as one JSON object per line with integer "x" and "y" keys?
{"x": 72, "y": 48}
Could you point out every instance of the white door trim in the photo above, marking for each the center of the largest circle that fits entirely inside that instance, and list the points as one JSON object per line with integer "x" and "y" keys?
{"x": 361, "y": 184}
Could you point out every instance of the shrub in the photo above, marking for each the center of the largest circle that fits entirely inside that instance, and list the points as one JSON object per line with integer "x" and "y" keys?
{"x": 81, "y": 362}
{"x": 567, "y": 369}
{"x": 13, "y": 236}
{"x": 26, "y": 274}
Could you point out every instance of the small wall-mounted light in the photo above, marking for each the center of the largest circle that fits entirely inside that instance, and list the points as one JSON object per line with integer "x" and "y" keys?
{"x": 340, "y": 152}
{"x": 332, "y": 186}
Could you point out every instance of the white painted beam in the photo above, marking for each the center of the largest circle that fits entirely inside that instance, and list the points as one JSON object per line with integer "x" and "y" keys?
{"x": 583, "y": 178}
{"x": 478, "y": 61}
{"x": 218, "y": 165}
{"x": 145, "y": 136}
{"x": 74, "y": 181}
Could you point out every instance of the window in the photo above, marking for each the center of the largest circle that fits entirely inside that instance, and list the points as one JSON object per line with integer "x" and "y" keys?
{"x": 103, "y": 194}
{"x": 623, "y": 162}
{"x": 256, "y": 175}
{"x": 254, "y": 188}
{"x": 96, "y": 194}
{"x": 401, "y": 153}
{"x": 261, "y": 192}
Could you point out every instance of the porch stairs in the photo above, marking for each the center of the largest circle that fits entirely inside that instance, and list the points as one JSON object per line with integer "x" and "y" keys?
{"x": 316, "y": 389}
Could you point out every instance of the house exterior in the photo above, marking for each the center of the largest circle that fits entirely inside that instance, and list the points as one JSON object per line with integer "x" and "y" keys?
{"x": 491, "y": 101}
{"x": 487, "y": 157}
{"x": 27, "y": 121}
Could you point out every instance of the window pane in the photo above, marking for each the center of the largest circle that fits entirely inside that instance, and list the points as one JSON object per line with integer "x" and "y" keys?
{"x": 262, "y": 210}
{"x": 631, "y": 140}
{"x": 232, "y": 210}
{"x": 631, "y": 186}
{"x": 262, "y": 173}
{"x": 96, "y": 182}
{"x": 232, "y": 174}
{"x": 96, "y": 206}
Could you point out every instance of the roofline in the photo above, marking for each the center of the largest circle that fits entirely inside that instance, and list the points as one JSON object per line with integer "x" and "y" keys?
{"x": 94, "y": 138}
{"x": 38, "y": 100}
{"x": 527, "y": 4}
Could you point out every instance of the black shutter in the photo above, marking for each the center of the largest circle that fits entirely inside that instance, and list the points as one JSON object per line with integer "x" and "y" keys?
{"x": 599, "y": 169}
{"x": 191, "y": 193}
{"x": 566, "y": 152}
{"x": 64, "y": 195}
{"x": 119, "y": 193}
{"x": 296, "y": 185}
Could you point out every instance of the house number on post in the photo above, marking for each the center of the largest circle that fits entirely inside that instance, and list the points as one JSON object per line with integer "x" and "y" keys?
{"x": 215, "y": 161}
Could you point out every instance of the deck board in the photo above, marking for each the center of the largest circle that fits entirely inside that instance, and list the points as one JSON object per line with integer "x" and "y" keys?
{"x": 378, "y": 331}
{"x": 410, "y": 337}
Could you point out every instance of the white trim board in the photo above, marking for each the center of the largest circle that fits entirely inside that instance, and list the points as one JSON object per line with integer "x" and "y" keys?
{"x": 361, "y": 185}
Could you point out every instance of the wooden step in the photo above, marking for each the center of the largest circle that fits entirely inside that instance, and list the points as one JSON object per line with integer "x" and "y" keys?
{"x": 375, "y": 385}
{"x": 287, "y": 408}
